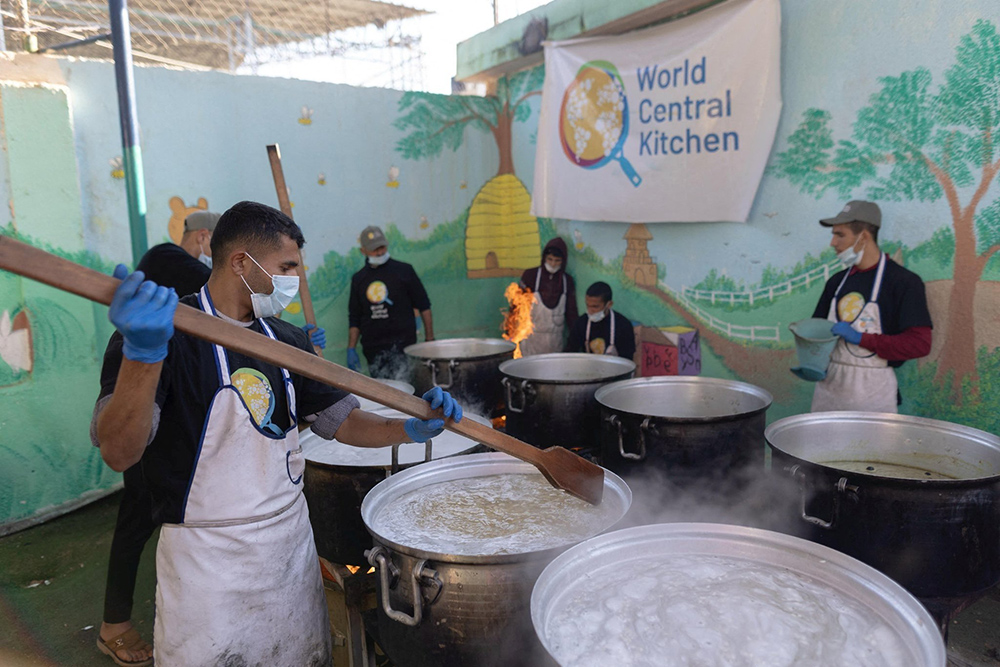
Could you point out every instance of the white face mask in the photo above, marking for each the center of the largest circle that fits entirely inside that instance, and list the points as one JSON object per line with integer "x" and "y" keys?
{"x": 379, "y": 260}
{"x": 284, "y": 289}
{"x": 203, "y": 258}
{"x": 851, "y": 257}
{"x": 552, "y": 268}
{"x": 598, "y": 316}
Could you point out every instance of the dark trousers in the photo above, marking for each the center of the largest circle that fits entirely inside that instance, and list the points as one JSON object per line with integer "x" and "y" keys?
{"x": 133, "y": 529}
{"x": 388, "y": 361}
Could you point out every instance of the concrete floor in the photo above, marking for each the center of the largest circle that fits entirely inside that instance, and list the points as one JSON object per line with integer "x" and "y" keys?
{"x": 52, "y": 590}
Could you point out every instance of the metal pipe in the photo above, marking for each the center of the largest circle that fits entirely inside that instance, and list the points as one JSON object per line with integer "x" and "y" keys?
{"x": 131, "y": 151}
{"x": 79, "y": 42}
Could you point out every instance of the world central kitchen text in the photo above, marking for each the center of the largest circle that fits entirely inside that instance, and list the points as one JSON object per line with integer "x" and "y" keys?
{"x": 667, "y": 142}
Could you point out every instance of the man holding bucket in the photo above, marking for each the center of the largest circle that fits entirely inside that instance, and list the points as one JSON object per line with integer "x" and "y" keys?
{"x": 880, "y": 316}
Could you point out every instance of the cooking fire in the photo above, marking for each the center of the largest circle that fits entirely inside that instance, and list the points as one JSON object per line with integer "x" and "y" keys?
{"x": 517, "y": 319}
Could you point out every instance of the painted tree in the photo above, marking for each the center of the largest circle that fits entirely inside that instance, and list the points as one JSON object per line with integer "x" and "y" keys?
{"x": 501, "y": 235}
{"x": 910, "y": 143}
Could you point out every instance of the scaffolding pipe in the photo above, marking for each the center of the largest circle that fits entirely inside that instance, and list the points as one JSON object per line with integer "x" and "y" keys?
{"x": 121, "y": 41}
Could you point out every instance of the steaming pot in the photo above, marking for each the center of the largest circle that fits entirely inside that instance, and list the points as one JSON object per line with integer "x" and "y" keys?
{"x": 550, "y": 397}
{"x": 692, "y": 429}
{"x": 337, "y": 477}
{"x": 581, "y": 573}
{"x": 918, "y": 499}
{"x": 470, "y": 611}
{"x": 469, "y": 368}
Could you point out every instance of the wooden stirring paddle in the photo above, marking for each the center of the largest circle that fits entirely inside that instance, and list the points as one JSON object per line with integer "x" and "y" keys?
{"x": 564, "y": 469}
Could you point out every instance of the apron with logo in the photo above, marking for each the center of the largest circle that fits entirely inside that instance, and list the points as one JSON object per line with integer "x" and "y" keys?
{"x": 610, "y": 349}
{"x": 238, "y": 581}
{"x": 548, "y": 323}
{"x": 858, "y": 379}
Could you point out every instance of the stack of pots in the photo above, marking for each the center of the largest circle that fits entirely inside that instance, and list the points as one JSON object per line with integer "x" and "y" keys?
{"x": 692, "y": 429}
{"x": 918, "y": 499}
{"x": 468, "y": 368}
{"x": 550, "y": 401}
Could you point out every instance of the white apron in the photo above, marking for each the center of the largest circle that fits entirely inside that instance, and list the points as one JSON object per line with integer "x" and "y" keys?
{"x": 858, "y": 379}
{"x": 238, "y": 581}
{"x": 548, "y": 323}
{"x": 610, "y": 349}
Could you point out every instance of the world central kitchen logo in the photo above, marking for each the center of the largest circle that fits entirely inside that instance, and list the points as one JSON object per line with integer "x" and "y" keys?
{"x": 663, "y": 108}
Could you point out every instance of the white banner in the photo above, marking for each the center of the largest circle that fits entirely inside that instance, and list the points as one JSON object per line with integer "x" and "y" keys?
{"x": 668, "y": 124}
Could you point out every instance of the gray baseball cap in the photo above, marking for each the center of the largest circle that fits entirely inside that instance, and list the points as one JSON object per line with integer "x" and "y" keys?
{"x": 372, "y": 238}
{"x": 857, "y": 210}
{"x": 201, "y": 220}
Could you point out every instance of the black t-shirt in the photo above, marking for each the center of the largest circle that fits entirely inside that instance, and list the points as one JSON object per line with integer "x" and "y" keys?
{"x": 600, "y": 333}
{"x": 188, "y": 383}
{"x": 170, "y": 265}
{"x": 382, "y": 302}
{"x": 902, "y": 301}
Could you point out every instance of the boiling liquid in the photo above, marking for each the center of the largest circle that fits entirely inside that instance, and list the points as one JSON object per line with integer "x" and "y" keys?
{"x": 711, "y": 610}
{"x": 494, "y": 514}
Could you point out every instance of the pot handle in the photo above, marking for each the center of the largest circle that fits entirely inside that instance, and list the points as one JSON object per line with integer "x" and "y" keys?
{"x": 452, "y": 365}
{"x": 421, "y": 575}
{"x": 842, "y": 489}
{"x": 616, "y": 423}
{"x": 526, "y": 391}
{"x": 394, "y": 466}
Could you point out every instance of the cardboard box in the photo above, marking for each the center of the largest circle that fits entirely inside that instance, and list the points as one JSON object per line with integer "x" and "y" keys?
{"x": 688, "y": 345}
{"x": 654, "y": 353}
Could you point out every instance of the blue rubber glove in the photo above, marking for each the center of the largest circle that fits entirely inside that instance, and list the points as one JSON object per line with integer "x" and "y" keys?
{"x": 353, "y": 360}
{"x": 848, "y": 333}
{"x": 420, "y": 430}
{"x": 317, "y": 337}
{"x": 144, "y": 314}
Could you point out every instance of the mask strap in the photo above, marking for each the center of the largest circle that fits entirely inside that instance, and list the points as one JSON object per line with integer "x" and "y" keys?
{"x": 248, "y": 284}
{"x": 259, "y": 267}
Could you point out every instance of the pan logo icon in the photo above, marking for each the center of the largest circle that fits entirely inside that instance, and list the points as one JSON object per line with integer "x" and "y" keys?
{"x": 593, "y": 120}
{"x": 377, "y": 292}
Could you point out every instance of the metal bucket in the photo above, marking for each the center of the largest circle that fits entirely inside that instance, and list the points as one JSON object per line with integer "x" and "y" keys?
{"x": 575, "y": 578}
{"x": 693, "y": 429}
{"x": 813, "y": 346}
{"x": 469, "y": 368}
{"x": 338, "y": 476}
{"x": 918, "y": 499}
{"x": 550, "y": 397}
{"x": 449, "y": 610}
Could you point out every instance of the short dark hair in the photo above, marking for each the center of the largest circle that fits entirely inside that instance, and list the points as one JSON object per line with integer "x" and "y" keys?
{"x": 257, "y": 226}
{"x": 551, "y": 250}
{"x": 600, "y": 290}
{"x": 857, "y": 227}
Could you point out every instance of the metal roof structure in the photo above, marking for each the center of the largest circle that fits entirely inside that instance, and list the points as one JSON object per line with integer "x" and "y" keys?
{"x": 220, "y": 34}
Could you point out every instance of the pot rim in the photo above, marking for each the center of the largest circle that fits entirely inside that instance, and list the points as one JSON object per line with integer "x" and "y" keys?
{"x": 752, "y": 389}
{"x": 491, "y": 463}
{"x": 627, "y": 367}
{"x": 950, "y": 428}
{"x": 814, "y": 561}
{"x": 417, "y": 350}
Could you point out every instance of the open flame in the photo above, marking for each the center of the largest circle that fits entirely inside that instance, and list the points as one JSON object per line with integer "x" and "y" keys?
{"x": 517, "y": 319}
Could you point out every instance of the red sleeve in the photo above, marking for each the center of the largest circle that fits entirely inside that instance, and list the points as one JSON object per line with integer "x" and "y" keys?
{"x": 913, "y": 343}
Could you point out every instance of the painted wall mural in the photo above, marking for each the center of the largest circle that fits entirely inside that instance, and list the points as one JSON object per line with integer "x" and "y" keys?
{"x": 908, "y": 118}
{"x": 501, "y": 237}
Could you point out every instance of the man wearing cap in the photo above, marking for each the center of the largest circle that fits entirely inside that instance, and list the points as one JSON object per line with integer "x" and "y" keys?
{"x": 880, "y": 315}
{"x": 384, "y": 296}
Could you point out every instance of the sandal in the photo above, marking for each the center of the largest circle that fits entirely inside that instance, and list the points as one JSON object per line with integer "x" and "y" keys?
{"x": 126, "y": 641}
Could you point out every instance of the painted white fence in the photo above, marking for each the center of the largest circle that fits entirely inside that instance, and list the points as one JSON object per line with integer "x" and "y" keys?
{"x": 740, "y": 331}
{"x": 803, "y": 280}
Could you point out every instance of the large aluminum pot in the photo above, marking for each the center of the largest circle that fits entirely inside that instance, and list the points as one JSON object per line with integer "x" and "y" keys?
{"x": 549, "y": 398}
{"x": 449, "y": 610}
{"x": 369, "y": 405}
{"x": 469, "y": 368}
{"x": 918, "y": 499}
{"x": 692, "y": 429}
{"x": 338, "y": 476}
{"x": 587, "y": 576}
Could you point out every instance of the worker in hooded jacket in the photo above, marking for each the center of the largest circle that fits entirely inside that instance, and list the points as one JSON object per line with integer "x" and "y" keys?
{"x": 554, "y": 305}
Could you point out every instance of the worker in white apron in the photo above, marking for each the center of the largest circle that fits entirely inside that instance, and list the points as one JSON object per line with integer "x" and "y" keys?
{"x": 247, "y": 487}
{"x": 553, "y": 301}
{"x": 857, "y": 379}
{"x": 601, "y": 349}
{"x": 598, "y": 330}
